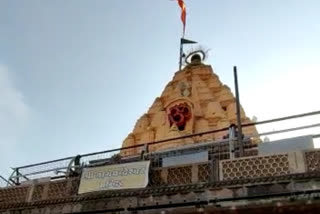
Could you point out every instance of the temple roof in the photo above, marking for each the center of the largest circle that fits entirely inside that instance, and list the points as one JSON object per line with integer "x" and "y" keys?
{"x": 194, "y": 101}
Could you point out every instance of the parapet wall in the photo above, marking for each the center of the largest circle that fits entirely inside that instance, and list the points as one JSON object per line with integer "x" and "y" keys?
{"x": 40, "y": 191}
{"x": 265, "y": 166}
{"x": 254, "y": 167}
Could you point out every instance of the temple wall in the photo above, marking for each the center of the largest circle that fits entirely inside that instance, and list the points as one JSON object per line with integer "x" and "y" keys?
{"x": 207, "y": 181}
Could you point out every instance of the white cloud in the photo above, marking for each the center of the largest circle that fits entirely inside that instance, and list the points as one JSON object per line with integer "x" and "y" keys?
{"x": 14, "y": 115}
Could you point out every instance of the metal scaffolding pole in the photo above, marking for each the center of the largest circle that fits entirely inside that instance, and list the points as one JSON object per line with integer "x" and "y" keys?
{"x": 239, "y": 126}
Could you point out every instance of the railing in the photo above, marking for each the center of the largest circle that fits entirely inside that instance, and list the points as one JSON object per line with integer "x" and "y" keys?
{"x": 285, "y": 168}
{"x": 4, "y": 182}
{"x": 219, "y": 150}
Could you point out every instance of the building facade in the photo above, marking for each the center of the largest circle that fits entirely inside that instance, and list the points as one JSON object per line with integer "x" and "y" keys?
{"x": 194, "y": 166}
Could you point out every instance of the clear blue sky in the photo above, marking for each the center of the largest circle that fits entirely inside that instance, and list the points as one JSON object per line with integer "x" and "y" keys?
{"x": 75, "y": 75}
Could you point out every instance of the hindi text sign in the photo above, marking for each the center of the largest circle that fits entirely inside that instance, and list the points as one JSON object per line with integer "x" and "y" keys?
{"x": 113, "y": 177}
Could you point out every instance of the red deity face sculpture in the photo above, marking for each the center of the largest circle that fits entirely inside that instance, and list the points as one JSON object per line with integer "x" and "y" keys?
{"x": 179, "y": 115}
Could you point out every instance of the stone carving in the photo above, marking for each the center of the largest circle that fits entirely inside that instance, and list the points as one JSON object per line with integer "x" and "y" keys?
{"x": 185, "y": 89}
{"x": 179, "y": 115}
{"x": 194, "y": 101}
{"x": 253, "y": 167}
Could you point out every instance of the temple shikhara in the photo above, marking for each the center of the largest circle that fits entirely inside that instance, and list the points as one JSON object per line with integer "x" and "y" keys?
{"x": 194, "y": 101}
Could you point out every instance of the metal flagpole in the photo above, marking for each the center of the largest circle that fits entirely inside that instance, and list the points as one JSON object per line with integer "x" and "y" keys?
{"x": 181, "y": 53}
{"x": 182, "y": 42}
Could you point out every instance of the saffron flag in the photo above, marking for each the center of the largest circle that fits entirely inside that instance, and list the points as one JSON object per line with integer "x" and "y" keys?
{"x": 183, "y": 14}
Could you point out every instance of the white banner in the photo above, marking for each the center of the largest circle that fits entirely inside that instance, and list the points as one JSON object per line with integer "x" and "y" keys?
{"x": 113, "y": 177}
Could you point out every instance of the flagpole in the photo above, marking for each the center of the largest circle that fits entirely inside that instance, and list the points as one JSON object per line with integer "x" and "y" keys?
{"x": 181, "y": 49}
{"x": 181, "y": 53}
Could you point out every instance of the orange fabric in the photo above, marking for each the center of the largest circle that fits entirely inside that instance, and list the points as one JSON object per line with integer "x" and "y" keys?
{"x": 183, "y": 13}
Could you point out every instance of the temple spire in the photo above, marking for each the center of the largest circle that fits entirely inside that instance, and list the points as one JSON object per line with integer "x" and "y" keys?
{"x": 194, "y": 101}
